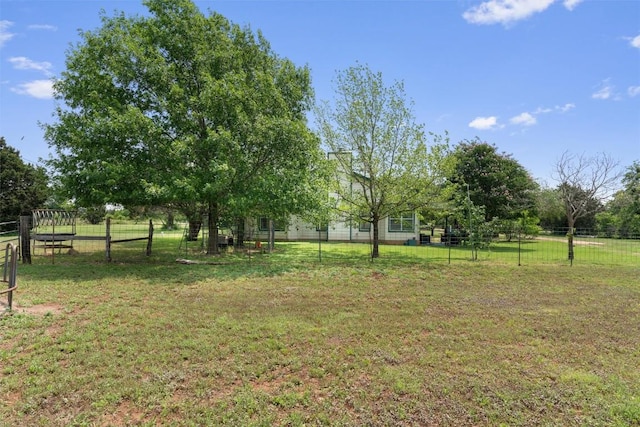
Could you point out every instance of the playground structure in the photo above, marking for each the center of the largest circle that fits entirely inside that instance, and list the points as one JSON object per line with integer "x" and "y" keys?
{"x": 55, "y": 229}
{"x": 10, "y": 273}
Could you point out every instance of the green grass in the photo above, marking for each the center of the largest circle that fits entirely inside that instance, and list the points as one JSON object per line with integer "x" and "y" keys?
{"x": 283, "y": 339}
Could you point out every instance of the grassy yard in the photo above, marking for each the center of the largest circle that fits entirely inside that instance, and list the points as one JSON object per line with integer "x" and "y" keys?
{"x": 283, "y": 339}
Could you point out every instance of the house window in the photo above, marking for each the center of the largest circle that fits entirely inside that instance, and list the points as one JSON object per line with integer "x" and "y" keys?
{"x": 264, "y": 224}
{"x": 403, "y": 223}
{"x": 364, "y": 226}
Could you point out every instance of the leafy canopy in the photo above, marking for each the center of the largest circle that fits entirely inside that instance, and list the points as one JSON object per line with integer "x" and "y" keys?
{"x": 23, "y": 187}
{"x": 493, "y": 180}
{"x": 178, "y": 107}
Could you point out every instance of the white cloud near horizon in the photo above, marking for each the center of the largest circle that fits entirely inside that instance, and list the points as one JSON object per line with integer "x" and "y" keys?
{"x": 41, "y": 89}
{"x": 508, "y": 11}
{"x": 24, "y": 63}
{"x": 635, "y": 42}
{"x": 484, "y": 123}
{"x": 5, "y": 35}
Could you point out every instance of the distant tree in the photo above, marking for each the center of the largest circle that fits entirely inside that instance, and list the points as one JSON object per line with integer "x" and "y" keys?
{"x": 623, "y": 209}
{"x": 181, "y": 108}
{"x": 493, "y": 180}
{"x": 550, "y": 208}
{"x": 23, "y": 187}
{"x": 93, "y": 214}
{"x": 585, "y": 184}
{"x": 379, "y": 148}
{"x": 552, "y": 212}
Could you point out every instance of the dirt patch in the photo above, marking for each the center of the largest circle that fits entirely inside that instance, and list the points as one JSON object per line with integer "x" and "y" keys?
{"x": 36, "y": 310}
{"x": 575, "y": 242}
{"x": 125, "y": 414}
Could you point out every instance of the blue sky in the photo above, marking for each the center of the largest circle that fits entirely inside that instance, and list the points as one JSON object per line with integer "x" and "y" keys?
{"x": 534, "y": 77}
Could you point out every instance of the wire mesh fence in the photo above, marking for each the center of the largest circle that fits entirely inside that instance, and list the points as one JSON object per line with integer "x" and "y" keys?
{"x": 543, "y": 249}
{"x": 546, "y": 247}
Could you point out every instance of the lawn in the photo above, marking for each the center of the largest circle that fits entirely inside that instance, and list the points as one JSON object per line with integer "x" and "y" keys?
{"x": 284, "y": 339}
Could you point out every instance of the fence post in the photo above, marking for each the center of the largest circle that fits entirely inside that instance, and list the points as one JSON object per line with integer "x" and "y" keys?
{"x": 10, "y": 272}
{"x": 150, "y": 239}
{"x": 25, "y": 239}
{"x": 107, "y": 241}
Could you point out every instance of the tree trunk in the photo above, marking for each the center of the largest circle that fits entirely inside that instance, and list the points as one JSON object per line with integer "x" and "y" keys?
{"x": 570, "y": 233}
{"x": 239, "y": 242}
{"x": 194, "y": 229}
{"x": 375, "y": 253}
{"x": 212, "y": 244}
{"x": 171, "y": 222}
{"x": 272, "y": 235}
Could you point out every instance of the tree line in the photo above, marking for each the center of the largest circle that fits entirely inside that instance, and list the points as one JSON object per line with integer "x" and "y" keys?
{"x": 198, "y": 115}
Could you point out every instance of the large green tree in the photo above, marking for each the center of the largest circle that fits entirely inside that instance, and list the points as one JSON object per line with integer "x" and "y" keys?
{"x": 384, "y": 166}
{"x": 181, "y": 108}
{"x": 492, "y": 179}
{"x": 23, "y": 187}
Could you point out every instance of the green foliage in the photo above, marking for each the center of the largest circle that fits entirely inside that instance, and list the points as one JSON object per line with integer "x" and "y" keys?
{"x": 622, "y": 216}
{"x": 383, "y": 163}
{"x": 23, "y": 187}
{"x": 93, "y": 214}
{"x": 181, "y": 109}
{"x": 551, "y": 208}
{"x": 493, "y": 180}
{"x": 525, "y": 227}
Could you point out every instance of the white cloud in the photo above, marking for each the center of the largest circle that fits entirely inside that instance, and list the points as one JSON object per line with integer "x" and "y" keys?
{"x": 43, "y": 27}
{"x": 5, "y": 35}
{"x": 566, "y": 107}
{"x": 41, "y": 89}
{"x": 504, "y": 11}
{"x": 23, "y": 63}
{"x": 557, "y": 109}
{"x": 484, "y": 123}
{"x": 635, "y": 42}
{"x": 542, "y": 110}
{"x": 571, "y": 4}
{"x": 524, "y": 119}
{"x": 605, "y": 91}
{"x": 509, "y": 11}
{"x": 633, "y": 91}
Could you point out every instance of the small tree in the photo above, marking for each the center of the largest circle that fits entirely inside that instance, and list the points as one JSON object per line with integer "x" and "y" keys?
{"x": 585, "y": 183}
{"x": 383, "y": 164}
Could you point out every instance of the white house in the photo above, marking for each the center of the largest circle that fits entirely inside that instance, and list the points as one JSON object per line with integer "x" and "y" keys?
{"x": 392, "y": 230}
